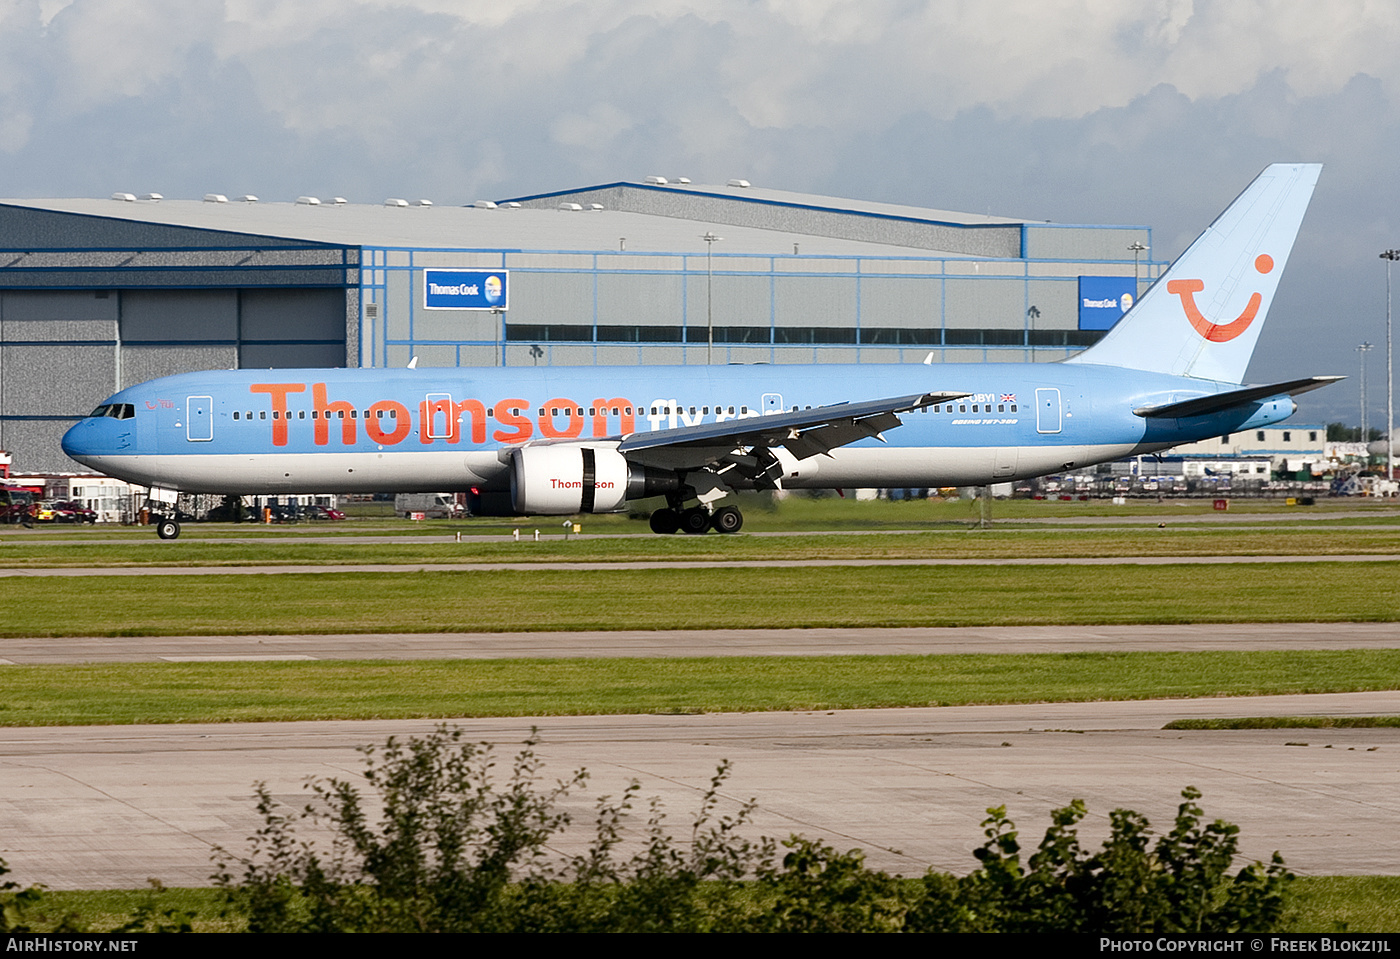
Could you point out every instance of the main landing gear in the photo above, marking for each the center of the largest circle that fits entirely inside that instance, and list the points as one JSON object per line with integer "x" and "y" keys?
{"x": 696, "y": 520}
{"x": 168, "y": 529}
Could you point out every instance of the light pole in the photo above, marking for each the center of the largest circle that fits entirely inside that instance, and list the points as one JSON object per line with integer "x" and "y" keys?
{"x": 1390, "y": 256}
{"x": 1363, "y": 349}
{"x": 710, "y": 239}
{"x": 1138, "y": 248}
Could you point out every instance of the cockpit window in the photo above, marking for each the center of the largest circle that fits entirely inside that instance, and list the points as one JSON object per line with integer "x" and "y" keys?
{"x": 117, "y": 411}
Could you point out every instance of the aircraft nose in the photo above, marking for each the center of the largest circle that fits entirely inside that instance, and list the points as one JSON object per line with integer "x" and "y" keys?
{"x": 83, "y": 440}
{"x": 73, "y": 441}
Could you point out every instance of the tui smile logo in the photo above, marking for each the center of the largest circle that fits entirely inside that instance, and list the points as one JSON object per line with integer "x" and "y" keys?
{"x": 1219, "y": 332}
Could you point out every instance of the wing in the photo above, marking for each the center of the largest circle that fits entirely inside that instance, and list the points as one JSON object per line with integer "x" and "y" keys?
{"x": 747, "y": 445}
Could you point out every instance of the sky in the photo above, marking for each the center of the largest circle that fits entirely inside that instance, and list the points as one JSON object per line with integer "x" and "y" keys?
{"x": 1156, "y": 112}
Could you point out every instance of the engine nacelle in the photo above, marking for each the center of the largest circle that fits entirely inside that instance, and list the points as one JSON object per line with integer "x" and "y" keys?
{"x": 560, "y": 480}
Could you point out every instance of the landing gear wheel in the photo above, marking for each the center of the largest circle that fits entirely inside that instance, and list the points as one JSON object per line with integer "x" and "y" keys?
{"x": 665, "y": 521}
{"x": 695, "y": 520}
{"x": 727, "y": 519}
{"x": 168, "y": 529}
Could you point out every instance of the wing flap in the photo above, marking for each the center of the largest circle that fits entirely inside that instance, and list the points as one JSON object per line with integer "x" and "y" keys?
{"x": 864, "y": 419}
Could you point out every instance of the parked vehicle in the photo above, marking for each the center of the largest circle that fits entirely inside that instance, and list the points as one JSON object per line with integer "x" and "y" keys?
{"x": 321, "y": 512}
{"x": 431, "y": 505}
{"x": 16, "y": 505}
{"x": 76, "y": 512}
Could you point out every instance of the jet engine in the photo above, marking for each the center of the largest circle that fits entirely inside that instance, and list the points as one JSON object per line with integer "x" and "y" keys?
{"x": 560, "y": 480}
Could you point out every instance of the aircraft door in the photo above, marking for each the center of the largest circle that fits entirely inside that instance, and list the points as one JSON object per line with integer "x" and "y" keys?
{"x": 772, "y": 403}
{"x": 199, "y": 419}
{"x": 437, "y": 423}
{"x": 1047, "y": 410}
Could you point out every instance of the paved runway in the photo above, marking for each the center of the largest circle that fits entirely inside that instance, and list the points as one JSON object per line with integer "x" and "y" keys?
{"x": 707, "y": 642}
{"x": 95, "y": 807}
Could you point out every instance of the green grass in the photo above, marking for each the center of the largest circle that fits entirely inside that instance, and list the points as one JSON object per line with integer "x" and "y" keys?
{"x": 941, "y": 530}
{"x": 1320, "y": 904}
{"x": 496, "y": 601}
{"x": 1289, "y": 722}
{"x": 121, "y": 693}
{"x": 1346, "y": 904}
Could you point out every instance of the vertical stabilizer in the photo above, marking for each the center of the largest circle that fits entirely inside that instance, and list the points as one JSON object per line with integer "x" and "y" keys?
{"x": 1203, "y": 316}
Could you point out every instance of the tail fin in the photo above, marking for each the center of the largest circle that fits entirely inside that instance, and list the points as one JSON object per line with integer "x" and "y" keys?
{"x": 1234, "y": 268}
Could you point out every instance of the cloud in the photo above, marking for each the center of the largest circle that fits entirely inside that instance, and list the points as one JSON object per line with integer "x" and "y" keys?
{"x": 1084, "y": 111}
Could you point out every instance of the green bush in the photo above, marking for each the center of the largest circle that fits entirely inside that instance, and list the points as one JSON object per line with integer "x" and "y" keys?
{"x": 1182, "y": 884}
{"x": 453, "y": 852}
{"x": 15, "y": 902}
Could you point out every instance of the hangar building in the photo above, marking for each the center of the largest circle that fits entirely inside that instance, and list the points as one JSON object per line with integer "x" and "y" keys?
{"x": 98, "y": 294}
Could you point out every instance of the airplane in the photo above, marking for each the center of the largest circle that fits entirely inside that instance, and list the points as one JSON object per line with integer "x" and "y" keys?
{"x": 569, "y": 440}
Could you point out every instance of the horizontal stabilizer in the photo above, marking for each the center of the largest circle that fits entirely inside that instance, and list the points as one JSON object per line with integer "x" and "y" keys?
{"x": 1216, "y": 402}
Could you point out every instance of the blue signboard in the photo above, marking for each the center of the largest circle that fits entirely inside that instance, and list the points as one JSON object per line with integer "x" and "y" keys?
{"x": 1104, "y": 299}
{"x": 465, "y": 289}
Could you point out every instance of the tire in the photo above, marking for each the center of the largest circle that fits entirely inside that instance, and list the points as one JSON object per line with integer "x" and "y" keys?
{"x": 695, "y": 521}
{"x": 665, "y": 521}
{"x": 168, "y": 529}
{"x": 727, "y": 519}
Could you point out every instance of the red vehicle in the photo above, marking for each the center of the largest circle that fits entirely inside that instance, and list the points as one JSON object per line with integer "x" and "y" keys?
{"x": 321, "y": 512}
{"x": 16, "y": 505}
{"x": 75, "y": 512}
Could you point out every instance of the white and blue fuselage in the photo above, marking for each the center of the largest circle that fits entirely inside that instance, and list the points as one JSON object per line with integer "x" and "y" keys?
{"x": 587, "y": 439}
{"x": 263, "y": 431}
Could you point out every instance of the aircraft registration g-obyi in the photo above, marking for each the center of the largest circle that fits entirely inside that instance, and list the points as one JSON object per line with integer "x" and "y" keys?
{"x": 566, "y": 440}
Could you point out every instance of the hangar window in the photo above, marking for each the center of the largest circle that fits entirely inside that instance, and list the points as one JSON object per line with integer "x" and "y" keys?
{"x": 1259, "y": 436}
{"x": 1287, "y": 437}
{"x": 1225, "y": 438}
{"x": 1312, "y": 436}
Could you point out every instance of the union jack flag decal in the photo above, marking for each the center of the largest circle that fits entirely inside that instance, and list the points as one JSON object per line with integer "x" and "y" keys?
{"x": 1008, "y": 397}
